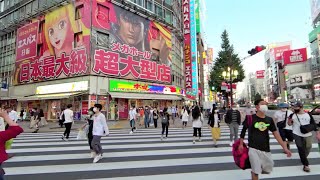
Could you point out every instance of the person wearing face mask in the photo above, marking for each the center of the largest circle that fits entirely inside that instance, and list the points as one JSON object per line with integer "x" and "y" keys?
{"x": 259, "y": 140}
{"x": 132, "y": 118}
{"x": 281, "y": 118}
{"x": 89, "y": 127}
{"x": 146, "y": 117}
{"x": 233, "y": 119}
{"x": 100, "y": 128}
{"x": 302, "y": 139}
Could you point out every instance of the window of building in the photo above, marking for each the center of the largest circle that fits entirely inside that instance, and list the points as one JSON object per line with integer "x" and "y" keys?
{"x": 103, "y": 13}
{"x": 78, "y": 39}
{"x": 102, "y": 39}
{"x": 149, "y": 5}
{"x": 158, "y": 10}
{"x": 1, "y": 5}
{"x": 140, "y": 3}
{"x": 168, "y": 16}
{"x": 79, "y": 12}
{"x": 168, "y": 2}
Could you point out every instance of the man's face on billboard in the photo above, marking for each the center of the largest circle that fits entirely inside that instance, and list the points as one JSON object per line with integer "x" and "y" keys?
{"x": 131, "y": 30}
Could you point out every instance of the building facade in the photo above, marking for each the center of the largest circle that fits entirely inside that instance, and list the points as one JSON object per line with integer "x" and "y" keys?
{"x": 116, "y": 53}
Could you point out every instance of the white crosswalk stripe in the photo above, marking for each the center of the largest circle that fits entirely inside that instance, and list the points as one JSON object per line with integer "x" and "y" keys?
{"x": 142, "y": 156}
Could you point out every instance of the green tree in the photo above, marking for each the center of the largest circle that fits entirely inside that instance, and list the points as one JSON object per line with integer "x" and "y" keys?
{"x": 226, "y": 58}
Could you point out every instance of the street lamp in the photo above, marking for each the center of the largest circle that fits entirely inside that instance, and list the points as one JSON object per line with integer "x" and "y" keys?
{"x": 228, "y": 76}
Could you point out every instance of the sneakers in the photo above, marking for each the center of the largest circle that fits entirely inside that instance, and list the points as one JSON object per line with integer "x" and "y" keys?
{"x": 93, "y": 154}
{"x": 306, "y": 169}
{"x": 64, "y": 138}
{"x": 194, "y": 142}
{"x": 97, "y": 158}
{"x": 231, "y": 143}
{"x": 200, "y": 140}
{"x": 131, "y": 132}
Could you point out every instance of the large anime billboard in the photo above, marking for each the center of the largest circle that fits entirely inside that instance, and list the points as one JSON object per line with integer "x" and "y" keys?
{"x": 53, "y": 46}
{"x": 129, "y": 46}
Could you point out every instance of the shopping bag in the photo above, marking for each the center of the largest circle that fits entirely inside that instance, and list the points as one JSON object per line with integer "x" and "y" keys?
{"x": 8, "y": 144}
{"x": 81, "y": 135}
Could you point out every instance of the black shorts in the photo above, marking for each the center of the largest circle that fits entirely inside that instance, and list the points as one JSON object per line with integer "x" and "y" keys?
{"x": 286, "y": 134}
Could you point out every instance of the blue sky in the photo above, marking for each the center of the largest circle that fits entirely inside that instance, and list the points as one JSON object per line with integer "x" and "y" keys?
{"x": 255, "y": 22}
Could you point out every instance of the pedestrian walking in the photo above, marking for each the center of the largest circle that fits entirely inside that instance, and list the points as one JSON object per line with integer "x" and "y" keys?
{"x": 116, "y": 113}
{"x": 146, "y": 117}
{"x": 184, "y": 117}
{"x": 33, "y": 119}
{"x": 197, "y": 121}
{"x": 37, "y": 120}
{"x": 302, "y": 126}
{"x": 233, "y": 120}
{"x": 214, "y": 124}
{"x": 100, "y": 128}
{"x": 165, "y": 122}
{"x": 12, "y": 113}
{"x": 61, "y": 118}
{"x": 88, "y": 128}
{"x": 43, "y": 121}
{"x": 259, "y": 140}
{"x": 281, "y": 118}
{"x": 11, "y": 132}
{"x": 68, "y": 116}
{"x": 155, "y": 117}
{"x": 132, "y": 118}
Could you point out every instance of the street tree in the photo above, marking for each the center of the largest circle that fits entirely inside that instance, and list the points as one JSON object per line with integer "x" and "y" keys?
{"x": 226, "y": 58}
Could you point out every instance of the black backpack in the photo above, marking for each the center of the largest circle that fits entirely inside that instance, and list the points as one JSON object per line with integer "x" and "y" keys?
{"x": 164, "y": 119}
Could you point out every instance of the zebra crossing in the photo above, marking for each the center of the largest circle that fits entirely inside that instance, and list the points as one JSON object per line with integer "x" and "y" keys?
{"x": 45, "y": 156}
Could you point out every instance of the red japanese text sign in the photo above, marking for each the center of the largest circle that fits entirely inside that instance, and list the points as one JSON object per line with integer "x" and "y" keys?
{"x": 260, "y": 74}
{"x": 295, "y": 56}
{"x": 187, "y": 46}
{"x": 130, "y": 63}
{"x": 277, "y": 51}
{"x": 27, "y": 39}
{"x": 50, "y": 67}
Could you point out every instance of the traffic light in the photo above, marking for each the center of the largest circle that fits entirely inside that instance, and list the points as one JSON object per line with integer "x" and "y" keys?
{"x": 256, "y": 50}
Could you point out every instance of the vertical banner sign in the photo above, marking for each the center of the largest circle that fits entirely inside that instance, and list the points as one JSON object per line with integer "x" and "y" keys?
{"x": 197, "y": 4}
{"x": 27, "y": 39}
{"x": 187, "y": 48}
{"x": 193, "y": 36}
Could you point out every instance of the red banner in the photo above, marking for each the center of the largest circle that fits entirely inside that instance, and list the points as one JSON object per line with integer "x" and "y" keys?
{"x": 260, "y": 74}
{"x": 27, "y": 39}
{"x": 187, "y": 47}
{"x": 277, "y": 51}
{"x": 295, "y": 56}
{"x": 84, "y": 107}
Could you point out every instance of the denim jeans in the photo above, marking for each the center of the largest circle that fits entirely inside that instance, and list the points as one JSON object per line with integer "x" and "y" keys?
{"x": 146, "y": 121}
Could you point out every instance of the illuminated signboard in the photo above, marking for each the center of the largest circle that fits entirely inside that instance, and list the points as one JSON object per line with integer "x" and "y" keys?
{"x": 65, "y": 87}
{"x": 142, "y": 87}
{"x": 193, "y": 39}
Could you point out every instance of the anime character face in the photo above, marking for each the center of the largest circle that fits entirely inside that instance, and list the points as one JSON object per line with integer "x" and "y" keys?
{"x": 131, "y": 30}
{"x": 58, "y": 32}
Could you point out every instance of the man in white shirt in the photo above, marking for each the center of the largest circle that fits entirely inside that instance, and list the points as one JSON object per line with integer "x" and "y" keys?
{"x": 68, "y": 116}
{"x": 132, "y": 118}
{"x": 12, "y": 113}
{"x": 100, "y": 128}
{"x": 281, "y": 118}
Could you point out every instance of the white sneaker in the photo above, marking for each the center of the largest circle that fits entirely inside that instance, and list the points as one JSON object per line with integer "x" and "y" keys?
{"x": 97, "y": 158}
{"x": 131, "y": 132}
{"x": 93, "y": 154}
{"x": 231, "y": 143}
{"x": 194, "y": 142}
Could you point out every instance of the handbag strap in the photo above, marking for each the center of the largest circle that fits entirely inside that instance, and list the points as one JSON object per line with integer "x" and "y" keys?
{"x": 298, "y": 119}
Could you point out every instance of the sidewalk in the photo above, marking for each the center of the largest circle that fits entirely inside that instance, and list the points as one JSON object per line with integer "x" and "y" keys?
{"x": 121, "y": 124}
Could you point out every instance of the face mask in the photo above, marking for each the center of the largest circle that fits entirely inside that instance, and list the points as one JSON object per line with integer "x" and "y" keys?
{"x": 296, "y": 111}
{"x": 263, "y": 108}
{"x": 90, "y": 113}
{"x": 95, "y": 109}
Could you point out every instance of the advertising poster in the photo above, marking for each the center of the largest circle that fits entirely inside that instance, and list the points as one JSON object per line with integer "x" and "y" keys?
{"x": 61, "y": 50}
{"x": 27, "y": 39}
{"x": 84, "y": 107}
{"x": 260, "y": 74}
{"x": 294, "y": 56}
{"x": 123, "y": 108}
{"x": 138, "y": 48}
{"x": 276, "y": 53}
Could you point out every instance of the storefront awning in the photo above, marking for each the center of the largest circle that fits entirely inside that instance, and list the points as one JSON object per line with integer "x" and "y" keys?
{"x": 48, "y": 96}
{"x": 144, "y": 96}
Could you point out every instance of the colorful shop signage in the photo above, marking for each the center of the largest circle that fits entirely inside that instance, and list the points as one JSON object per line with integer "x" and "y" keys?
{"x": 141, "y": 87}
{"x": 61, "y": 88}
